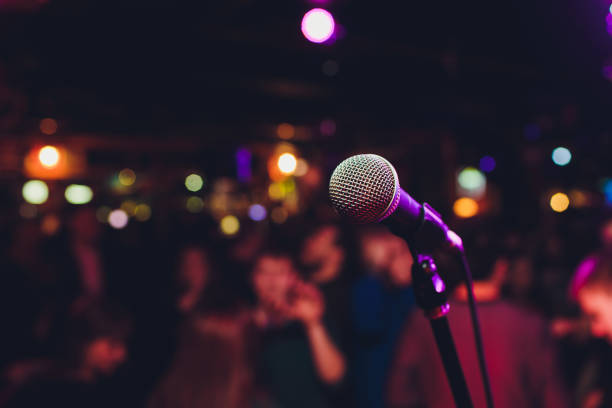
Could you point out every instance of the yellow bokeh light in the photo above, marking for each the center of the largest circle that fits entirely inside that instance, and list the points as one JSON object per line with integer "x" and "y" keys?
{"x": 277, "y": 191}
{"x": 229, "y": 225}
{"x": 35, "y": 191}
{"x": 142, "y": 212}
{"x": 194, "y": 182}
{"x": 559, "y": 202}
{"x": 128, "y": 206}
{"x": 285, "y": 131}
{"x": 49, "y": 156}
{"x": 48, "y": 126}
{"x": 78, "y": 194}
{"x": 127, "y": 177}
{"x": 194, "y": 204}
{"x": 465, "y": 207}
{"x": 287, "y": 163}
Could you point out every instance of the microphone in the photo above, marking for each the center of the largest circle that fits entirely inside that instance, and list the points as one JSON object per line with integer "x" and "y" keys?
{"x": 365, "y": 189}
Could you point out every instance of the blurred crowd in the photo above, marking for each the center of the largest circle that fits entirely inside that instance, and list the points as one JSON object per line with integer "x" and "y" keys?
{"x": 306, "y": 314}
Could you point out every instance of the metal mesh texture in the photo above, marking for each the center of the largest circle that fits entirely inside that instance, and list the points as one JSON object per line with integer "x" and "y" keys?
{"x": 364, "y": 188}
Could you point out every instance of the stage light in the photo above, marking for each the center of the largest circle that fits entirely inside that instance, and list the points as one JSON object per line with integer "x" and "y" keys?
{"x": 35, "y": 192}
{"x": 194, "y": 182}
{"x": 318, "y": 25}
{"x": 127, "y": 177}
{"x": 118, "y": 219}
{"x": 194, "y": 204}
{"x": 102, "y": 214}
{"x": 48, "y": 156}
{"x": 78, "y": 194}
{"x": 229, "y": 225}
{"x": 578, "y": 198}
{"x": 257, "y": 212}
{"x": 465, "y": 207}
{"x": 50, "y": 224}
{"x": 279, "y": 215}
{"x": 561, "y": 156}
{"x": 487, "y": 164}
{"x": 243, "y": 164}
{"x": 287, "y": 163}
{"x": 559, "y": 202}
{"x": 48, "y": 126}
{"x": 285, "y": 131}
{"x": 142, "y": 212}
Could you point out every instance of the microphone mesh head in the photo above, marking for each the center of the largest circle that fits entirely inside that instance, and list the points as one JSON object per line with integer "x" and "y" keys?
{"x": 364, "y": 188}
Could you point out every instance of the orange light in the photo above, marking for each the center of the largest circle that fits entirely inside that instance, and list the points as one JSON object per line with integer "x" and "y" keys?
{"x": 49, "y": 156}
{"x": 559, "y": 202}
{"x": 285, "y": 131}
{"x": 465, "y": 207}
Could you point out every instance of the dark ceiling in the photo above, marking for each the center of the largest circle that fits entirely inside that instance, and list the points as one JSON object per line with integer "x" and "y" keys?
{"x": 233, "y": 67}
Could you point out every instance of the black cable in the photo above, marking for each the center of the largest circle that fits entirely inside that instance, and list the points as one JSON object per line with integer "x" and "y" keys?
{"x": 476, "y": 326}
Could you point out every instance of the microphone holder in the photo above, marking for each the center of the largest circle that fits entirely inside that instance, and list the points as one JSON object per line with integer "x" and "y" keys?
{"x": 430, "y": 293}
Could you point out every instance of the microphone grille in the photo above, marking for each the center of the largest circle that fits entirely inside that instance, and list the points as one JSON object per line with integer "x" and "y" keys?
{"x": 364, "y": 188}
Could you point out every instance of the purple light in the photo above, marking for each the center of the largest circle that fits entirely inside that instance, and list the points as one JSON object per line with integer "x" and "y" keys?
{"x": 487, "y": 164}
{"x": 438, "y": 284}
{"x": 257, "y": 212}
{"x": 318, "y": 25}
{"x": 243, "y": 164}
{"x": 328, "y": 127}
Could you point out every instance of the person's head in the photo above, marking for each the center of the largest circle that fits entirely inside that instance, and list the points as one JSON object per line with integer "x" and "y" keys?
{"x": 194, "y": 268}
{"x": 379, "y": 247}
{"x": 323, "y": 252}
{"x": 591, "y": 287}
{"x": 273, "y": 276}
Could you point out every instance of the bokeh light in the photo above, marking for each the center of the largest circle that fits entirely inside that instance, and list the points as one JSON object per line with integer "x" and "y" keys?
{"x": 48, "y": 126}
{"x": 471, "y": 182}
{"x": 285, "y": 131}
{"x": 128, "y": 206}
{"x": 194, "y": 182}
{"x": 287, "y": 163}
{"x": 229, "y": 225}
{"x": 142, "y": 212}
{"x": 606, "y": 188}
{"x": 561, "y": 156}
{"x": 102, "y": 214}
{"x": 50, "y": 224}
{"x": 318, "y": 25}
{"x": 35, "y": 191}
{"x": 127, "y": 177}
{"x": 27, "y": 210}
{"x": 194, "y": 204}
{"x": 279, "y": 215}
{"x": 277, "y": 191}
{"x": 118, "y": 219}
{"x": 465, "y": 207}
{"x": 49, "y": 156}
{"x": 301, "y": 168}
{"x": 487, "y": 164}
{"x": 78, "y": 194}
{"x": 559, "y": 202}
{"x": 257, "y": 212}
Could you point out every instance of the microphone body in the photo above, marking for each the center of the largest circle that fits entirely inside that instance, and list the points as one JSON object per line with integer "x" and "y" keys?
{"x": 365, "y": 188}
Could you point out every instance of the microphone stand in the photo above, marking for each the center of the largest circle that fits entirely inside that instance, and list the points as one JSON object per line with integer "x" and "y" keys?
{"x": 430, "y": 293}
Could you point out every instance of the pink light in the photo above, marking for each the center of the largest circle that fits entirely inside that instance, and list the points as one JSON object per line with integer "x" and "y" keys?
{"x": 318, "y": 25}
